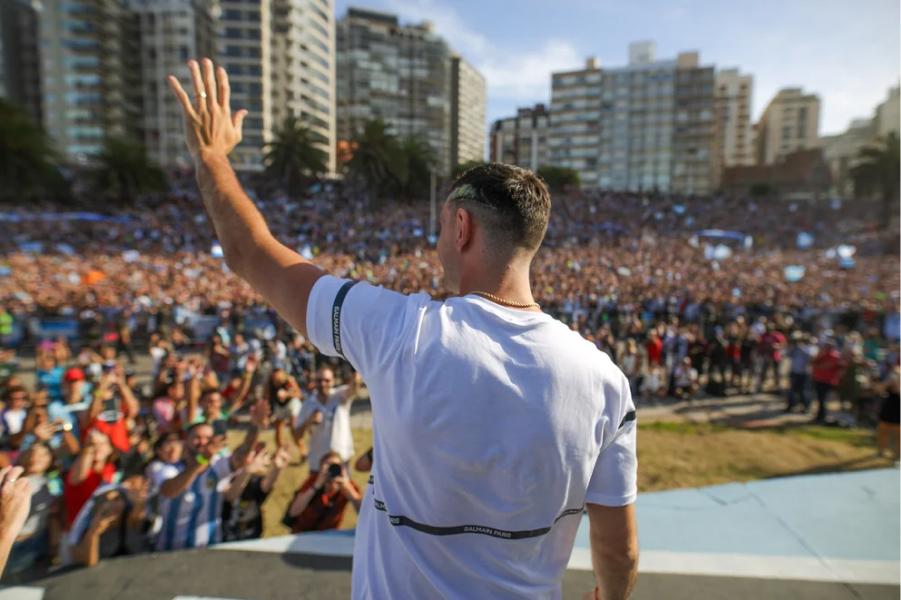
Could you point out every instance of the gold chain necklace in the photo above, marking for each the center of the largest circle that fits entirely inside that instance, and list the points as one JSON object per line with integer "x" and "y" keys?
{"x": 500, "y": 300}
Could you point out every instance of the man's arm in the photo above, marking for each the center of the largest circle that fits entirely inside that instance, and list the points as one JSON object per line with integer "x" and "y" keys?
{"x": 178, "y": 485}
{"x": 276, "y": 272}
{"x": 613, "y": 533}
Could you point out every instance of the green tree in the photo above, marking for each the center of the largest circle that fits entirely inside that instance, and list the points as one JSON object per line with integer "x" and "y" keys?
{"x": 465, "y": 166}
{"x": 559, "y": 178}
{"x": 877, "y": 171}
{"x": 411, "y": 167}
{"x": 123, "y": 171}
{"x": 28, "y": 163}
{"x": 377, "y": 159}
{"x": 295, "y": 157}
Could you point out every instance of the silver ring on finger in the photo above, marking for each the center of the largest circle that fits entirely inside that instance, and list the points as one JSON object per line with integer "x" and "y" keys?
{"x": 203, "y": 95}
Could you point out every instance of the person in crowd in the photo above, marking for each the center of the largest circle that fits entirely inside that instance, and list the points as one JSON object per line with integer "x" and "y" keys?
{"x": 321, "y": 500}
{"x": 38, "y": 540}
{"x": 242, "y": 519}
{"x": 114, "y": 521}
{"x": 685, "y": 378}
{"x": 827, "y": 369}
{"x": 285, "y": 400}
{"x": 365, "y": 461}
{"x": 193, "y": 491}
{"x": 166, "y": 407}
{"x": 113, "y": 408}
{"x": 855, "y": 377}
{"x": 12, "y": 417}
{"x": 632, "y": 364}
{"x": 801, "y": 351}
{"x": 167, "y": 451}
{"x": 326, "y": 415}
{"x": 39, "y": 428}
{"x": 769, "y": 350}
{"x": 94, "y": 466}
{"x": 888, "y": 432}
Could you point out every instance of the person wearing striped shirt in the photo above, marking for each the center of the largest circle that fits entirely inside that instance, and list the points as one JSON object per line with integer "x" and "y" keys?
{"x": 192, "y": 492}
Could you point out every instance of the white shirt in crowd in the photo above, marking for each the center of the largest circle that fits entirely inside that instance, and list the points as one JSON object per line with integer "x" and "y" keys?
{"x": 334, "y": 433}
{"x": 193, "y": 519}
{"x": 492, "y": 427}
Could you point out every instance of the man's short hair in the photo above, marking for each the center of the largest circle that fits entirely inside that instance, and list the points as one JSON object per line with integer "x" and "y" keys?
{"x": 512, "y": 204}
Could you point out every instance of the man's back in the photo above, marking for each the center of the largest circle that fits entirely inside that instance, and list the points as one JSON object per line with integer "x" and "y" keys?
{"x": 487, "y": 425}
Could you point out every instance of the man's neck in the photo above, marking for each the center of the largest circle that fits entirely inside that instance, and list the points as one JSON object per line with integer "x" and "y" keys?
{"x": 511, "y": 284}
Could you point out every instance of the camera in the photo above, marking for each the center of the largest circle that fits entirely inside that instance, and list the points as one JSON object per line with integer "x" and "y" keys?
{"x": 334, "y": 470}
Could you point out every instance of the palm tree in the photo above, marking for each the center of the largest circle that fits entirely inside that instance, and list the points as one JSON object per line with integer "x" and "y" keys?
{"x": 412, "y": 166}
{"x": 295, "y": 157}
{"x": 28, "y": 163}
{"x": 123, "y": 170}
{"x": 877, "y": 171}
{"x": 558, "y": 179}
{"x": 376, "y": 159}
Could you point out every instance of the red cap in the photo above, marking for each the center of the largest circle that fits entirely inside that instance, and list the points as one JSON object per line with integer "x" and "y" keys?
{"x": 74, "y": 374}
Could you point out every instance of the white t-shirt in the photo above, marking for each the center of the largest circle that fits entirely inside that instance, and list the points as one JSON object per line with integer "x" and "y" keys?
{"x": 334, "y": 432}
{"x": 492, "y": 427}
{"x": 193, "y": 519}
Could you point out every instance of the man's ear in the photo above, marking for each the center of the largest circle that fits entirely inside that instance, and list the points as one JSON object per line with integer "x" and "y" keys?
{"x": 463, "y": 227}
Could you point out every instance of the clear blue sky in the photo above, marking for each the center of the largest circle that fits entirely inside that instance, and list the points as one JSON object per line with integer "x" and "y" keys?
{"x": 846, "y": 51}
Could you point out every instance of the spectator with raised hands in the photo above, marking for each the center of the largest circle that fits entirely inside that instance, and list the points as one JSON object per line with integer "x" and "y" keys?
{"x": 94, "y": 466}
{"x": 242, "y": 519}
{"x": 113, "y": 407}
{"x": 114, "y": 521}
{"x": 326, "y": 416}
{"x": 193, "y": 492}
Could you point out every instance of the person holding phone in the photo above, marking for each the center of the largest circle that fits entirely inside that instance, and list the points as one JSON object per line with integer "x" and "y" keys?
{"x": 321, "y": 500}
{"x": 114, "y": 404}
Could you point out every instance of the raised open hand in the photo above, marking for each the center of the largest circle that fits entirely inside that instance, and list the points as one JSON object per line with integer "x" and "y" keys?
{"x": 210, "y": 126}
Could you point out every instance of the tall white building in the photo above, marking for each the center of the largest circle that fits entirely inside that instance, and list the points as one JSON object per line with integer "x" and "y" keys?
{"x": 171, "y": 33}
{"x": 575, "y": 133}
{"x": 791, "y": 122}
{"x": 408, "y": 77}
{"x": 303, "y": 67}
{"x": 522, "y": 140}
{"x": 245, "y": 51}
{"x": 86, "y": 58}
{"x": 888, "y": 113}
{"x": 280, "y": 58}
{"x": 467, "y": 141}
{"x": 733, "y": 118}
{"x": 647, "y": 125}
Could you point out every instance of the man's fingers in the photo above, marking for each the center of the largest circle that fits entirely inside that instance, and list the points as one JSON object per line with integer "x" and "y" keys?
{"x": 10, "y": 476}
{"x": 209, "y": 81}
{"x": 183, "y": 99}
{"x": 199, "y": 88}
{"x": 224, "y": 88}
{"x": 238, "y": 119}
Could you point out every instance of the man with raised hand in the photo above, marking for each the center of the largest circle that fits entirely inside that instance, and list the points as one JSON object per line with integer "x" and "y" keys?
{"x": 494, "y": 424}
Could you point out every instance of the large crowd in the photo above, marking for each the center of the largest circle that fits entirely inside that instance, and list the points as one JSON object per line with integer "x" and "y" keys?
{"x": 714, "y": 295}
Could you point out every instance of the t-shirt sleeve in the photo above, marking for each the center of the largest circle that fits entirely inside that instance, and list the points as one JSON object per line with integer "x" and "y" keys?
{"x": 358, "y": 321}
{"x": 614, "y": 481}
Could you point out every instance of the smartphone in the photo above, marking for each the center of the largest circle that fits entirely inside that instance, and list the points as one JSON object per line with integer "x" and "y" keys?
{"x": 220, "y": 427}
{"x": 111, "y": 405}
